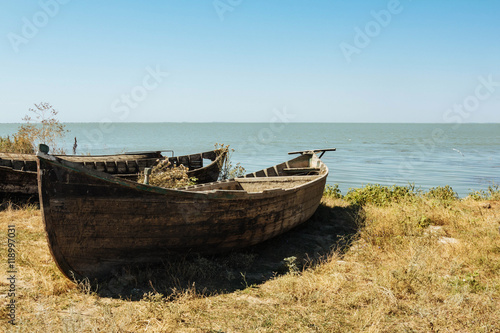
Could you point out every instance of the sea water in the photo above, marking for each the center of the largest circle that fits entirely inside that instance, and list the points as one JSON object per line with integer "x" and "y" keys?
{"x": 464, "y": 156}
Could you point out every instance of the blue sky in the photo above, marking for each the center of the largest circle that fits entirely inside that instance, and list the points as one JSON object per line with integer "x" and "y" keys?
{"x": 241, "y": 60}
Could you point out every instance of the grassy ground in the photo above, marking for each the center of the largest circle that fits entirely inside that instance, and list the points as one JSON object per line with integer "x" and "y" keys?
{"x": 418, "y": 264}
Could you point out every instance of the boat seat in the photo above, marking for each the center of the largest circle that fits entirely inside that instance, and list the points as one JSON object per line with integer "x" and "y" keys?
{"x": 299, "y": 170}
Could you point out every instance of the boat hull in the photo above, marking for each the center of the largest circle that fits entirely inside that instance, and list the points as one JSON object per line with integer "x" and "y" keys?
{"x": 18, "y": 185}
{"x": 96, "y": 223}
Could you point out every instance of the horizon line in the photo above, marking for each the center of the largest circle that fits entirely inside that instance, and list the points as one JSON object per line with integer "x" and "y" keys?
{"x": 263, "y": 122}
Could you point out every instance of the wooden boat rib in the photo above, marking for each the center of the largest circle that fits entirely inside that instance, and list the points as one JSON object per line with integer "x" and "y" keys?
{"x": 18, "y": 171}
{"x": 95, "y": 222}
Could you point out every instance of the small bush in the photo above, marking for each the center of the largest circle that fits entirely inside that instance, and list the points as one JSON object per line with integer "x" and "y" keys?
{"x": 228, "y": 170}
{"x": 333, "y": 192}
{"x": 380, "y": 195}
{"x": 493, "y": 193}
{"x": 44, "y": 129}
{"x": 17, "y": 144}
{"x": 442, "y": 193}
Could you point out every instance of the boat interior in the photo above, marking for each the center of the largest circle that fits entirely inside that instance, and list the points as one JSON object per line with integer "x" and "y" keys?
{"x": 286, "y": 175}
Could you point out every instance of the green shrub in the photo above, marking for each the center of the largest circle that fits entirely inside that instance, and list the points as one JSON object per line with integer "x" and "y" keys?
{"x": 442, "y": 193}
{"x": 493, "y": 193}
{"x": 379, "y": 195}
{"x": 333, "y": 192}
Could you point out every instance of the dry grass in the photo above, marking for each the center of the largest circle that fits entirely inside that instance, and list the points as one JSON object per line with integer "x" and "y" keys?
{"x": 18, "y": 144}
{"x": 166, "y": 175}
{"x": 412, "y": 266}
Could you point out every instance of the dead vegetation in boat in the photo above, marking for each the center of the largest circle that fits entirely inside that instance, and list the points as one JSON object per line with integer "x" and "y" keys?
{"x": 169, "y": 175}
{"x": 164, "y": 174}
{"x": 228, "y": 169}
{"x": 18, "y": 172}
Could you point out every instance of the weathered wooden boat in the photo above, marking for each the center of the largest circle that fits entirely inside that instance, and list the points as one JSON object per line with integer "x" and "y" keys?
{"x": 18, "y": 171}
{"x": 96, "y": 223}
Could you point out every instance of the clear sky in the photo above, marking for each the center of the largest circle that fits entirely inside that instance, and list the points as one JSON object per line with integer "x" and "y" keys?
{"x": 242, "y": 60}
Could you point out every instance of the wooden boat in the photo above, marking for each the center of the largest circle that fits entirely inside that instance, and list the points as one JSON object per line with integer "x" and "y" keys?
{"x": 18, "y": 178}
{"x": 96, "y": 223}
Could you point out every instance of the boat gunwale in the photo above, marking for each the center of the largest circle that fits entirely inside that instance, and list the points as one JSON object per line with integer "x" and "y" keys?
{"x": 112, "y": 157}
{"x": 32, "y": 157}
{"x": 193, "y": 190}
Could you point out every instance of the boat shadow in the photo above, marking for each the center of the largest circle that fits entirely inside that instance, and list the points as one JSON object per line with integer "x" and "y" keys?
{"x": 330, "y": 229}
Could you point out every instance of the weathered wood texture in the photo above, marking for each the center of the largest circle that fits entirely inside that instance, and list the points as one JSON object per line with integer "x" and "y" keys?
{"x": 18, "y": 185}
{"x": 18, "y": 171}
{"x": 96, "y": 223}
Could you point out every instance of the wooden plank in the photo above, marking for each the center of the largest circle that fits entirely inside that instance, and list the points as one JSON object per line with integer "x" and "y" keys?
{"x": 110, "y": 167}
{"x": 121, "y": 167}
{"x": 132, "y": 167}
{"x": 301, "y": 170}
{"x": 18, "y": 164}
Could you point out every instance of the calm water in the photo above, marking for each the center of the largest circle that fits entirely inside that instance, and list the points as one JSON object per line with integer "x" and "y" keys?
{"x": 464, "y": 156}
